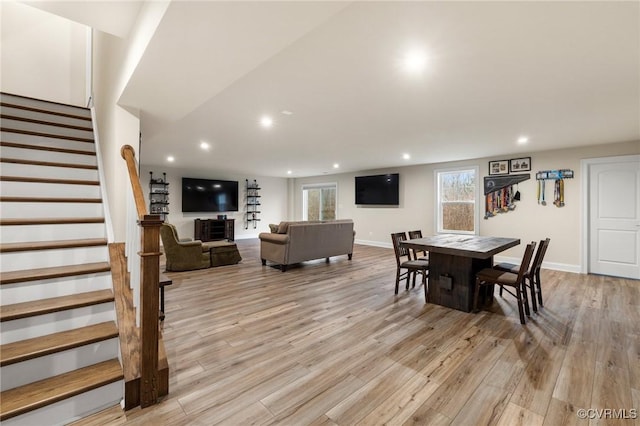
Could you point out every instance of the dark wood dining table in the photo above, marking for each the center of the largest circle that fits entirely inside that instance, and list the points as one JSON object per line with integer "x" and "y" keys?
{"x": 454, "y": 260}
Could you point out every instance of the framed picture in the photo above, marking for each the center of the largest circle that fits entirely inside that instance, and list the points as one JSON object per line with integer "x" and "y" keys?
{"x": 520, "y": 164}
{"x": 500, "y": 167}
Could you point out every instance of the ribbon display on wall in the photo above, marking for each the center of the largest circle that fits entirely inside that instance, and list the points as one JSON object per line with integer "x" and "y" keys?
{"x": 501, "y": 193}
{"x": 558, "y": 176}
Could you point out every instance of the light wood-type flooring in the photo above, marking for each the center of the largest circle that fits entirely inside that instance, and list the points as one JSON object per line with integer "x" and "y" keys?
{"x": 330, "y": 344}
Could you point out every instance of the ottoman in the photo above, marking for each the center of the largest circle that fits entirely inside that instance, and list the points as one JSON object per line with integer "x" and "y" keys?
{"x": 223, "y": 253}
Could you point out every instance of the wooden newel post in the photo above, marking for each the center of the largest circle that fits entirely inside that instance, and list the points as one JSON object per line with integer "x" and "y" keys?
{"x": 149, "y": 305}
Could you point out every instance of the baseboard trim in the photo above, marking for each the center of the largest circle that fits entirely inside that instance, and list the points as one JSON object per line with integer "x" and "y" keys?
{"x": 563, "y": 267}
{"x": 374, "y": 243}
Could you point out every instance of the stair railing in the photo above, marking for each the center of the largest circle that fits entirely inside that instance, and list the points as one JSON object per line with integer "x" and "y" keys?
{"x": 144, "y": 238}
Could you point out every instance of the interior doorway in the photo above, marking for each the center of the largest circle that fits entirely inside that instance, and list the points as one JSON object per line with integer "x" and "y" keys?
{"x": 611, "y": 206}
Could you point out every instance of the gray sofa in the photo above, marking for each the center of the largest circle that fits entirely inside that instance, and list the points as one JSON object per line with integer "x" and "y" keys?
{"x": 294, "y": 242}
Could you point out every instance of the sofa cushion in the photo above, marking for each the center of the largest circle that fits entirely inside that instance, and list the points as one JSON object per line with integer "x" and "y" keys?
{"x": 273, "y": 228}
{"x": 283, "y": 227}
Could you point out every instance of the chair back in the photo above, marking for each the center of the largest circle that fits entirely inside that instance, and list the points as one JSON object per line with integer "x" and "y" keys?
{"x": 399, "y": 250}
{"x": 526, "y": 260}
{"x": 412, "y": 236}
{"x": 537, "y": 261}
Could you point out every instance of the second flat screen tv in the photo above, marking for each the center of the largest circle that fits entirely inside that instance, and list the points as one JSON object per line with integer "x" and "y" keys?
{"x": 378, "y": 189}
{"x": 207, "y": 195}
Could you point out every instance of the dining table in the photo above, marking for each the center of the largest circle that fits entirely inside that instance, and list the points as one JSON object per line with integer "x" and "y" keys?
{"x": 454, "y": 261}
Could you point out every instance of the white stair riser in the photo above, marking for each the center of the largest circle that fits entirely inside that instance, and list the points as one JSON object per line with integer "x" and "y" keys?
{"x": 54, "y": 287}
{"x": 22, "y": 260}
{"x": 35, "y": 210}
{"x": 40, "y": 368}
{"x": 51, "y": 156}
{"x": 31, "y": 233}
{"x": 36, "y": 189}
{"x": 49, "y": 106}
{"x": 7, "y": 123}
{"x": 47, "y": 172}
{"x": 43, "y": 116}
{"x": 28, "y": 328}
{"x": 45, "y": 141}
{"x": 69, "y": 410}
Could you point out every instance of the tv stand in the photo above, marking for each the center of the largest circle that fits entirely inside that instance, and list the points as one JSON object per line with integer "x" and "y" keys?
{"x": 214, "y": 229}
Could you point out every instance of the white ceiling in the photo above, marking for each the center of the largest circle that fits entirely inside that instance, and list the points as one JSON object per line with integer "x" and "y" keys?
{"x": 564, "y": 74}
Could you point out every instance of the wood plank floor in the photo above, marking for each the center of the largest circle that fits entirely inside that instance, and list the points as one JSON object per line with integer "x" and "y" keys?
{"x": 330, "y": 344}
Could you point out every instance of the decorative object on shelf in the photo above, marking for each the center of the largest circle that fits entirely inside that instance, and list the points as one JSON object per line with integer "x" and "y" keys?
{"x": 159, "y": 196}
{"x": 252, "y": 204}
{"x": 558, "y": 176}
{"x": 499, "y": 167}
{"x": 517, "y": 165}
{"x": 500, "y": 194}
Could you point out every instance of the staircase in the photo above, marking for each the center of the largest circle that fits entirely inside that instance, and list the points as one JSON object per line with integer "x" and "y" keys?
{"x": 59, "y": 340}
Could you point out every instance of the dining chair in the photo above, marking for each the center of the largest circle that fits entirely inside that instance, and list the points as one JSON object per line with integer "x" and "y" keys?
{"x": 532, "y": 276}
{"x": 405, "y": 261}
{"x": 489, "y": 276}
{"x": 425, "y": 254}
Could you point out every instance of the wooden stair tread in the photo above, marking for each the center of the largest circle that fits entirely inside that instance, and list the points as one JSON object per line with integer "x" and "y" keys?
{"x": 46, "y": 123}
{"x": 23, "y": 350}
{"x": 48, "y": 180}
{"x": 53, "y": 272}
{"x": 46, "y": 148}
{"x": 23, "y": 399}
{"x": 50, "y": 221}
{"x": 47, "y": 135}
{"x": 48, "y": 245}
{"x": 47, "y": 111}
{"x": 49, "y": 200}
{"x": 54, "y": 304}
{"x": 48, "y": 163}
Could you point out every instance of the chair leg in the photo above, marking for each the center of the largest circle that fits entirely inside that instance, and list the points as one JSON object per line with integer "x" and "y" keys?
{"x": 532, "y": 290}
{"x": 413, "y": 284}
{"x": 525, "y": 298}
{"x": 408, "y": 278}
{"x": 538, "y": 289}
{"x": 520, "y": 310}
{"x": 500, "y": 291}
{"x": 397, "y": 280}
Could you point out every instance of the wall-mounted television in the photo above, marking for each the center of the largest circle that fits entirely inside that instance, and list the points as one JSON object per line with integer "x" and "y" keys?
{"x": 208, "y": 195}
{"x": 378, "y": 189}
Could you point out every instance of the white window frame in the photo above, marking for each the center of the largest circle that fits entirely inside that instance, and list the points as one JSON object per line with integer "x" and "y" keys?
{"x": 305, "y": 201}
{"x": 438, "y": 207}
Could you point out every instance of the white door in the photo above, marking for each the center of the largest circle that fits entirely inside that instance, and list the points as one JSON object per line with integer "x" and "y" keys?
{"x": 614, "y": 218}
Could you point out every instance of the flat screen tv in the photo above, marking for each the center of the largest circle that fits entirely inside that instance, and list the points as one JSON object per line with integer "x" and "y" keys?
{"x": 378, "y": 189}
{"x": 207, "y": 195}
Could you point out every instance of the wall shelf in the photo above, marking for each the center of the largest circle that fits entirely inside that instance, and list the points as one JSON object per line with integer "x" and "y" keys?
{"x": 252, "y": 201}
{"x": 159, "y": 196}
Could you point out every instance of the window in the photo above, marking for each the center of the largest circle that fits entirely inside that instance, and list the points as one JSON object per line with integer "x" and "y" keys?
{"x": 457, "y": 200}
{"x": 319, "y": 201}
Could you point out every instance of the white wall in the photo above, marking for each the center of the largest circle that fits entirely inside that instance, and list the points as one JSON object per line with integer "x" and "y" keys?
{"x": 273, "y": 197}
{"x": 114, "y": 61}
{"x": 529, "y": 221}
{"x": 42, "y": 55}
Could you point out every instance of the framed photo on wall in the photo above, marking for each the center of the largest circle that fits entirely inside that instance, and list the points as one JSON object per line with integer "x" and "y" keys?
{"x": 520, "y": 164}
{"x": 499, "y": 167}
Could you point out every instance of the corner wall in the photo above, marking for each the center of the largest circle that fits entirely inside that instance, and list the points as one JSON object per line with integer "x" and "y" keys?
{"x": 528, "y": 222}
{"x": 42, "y": 55}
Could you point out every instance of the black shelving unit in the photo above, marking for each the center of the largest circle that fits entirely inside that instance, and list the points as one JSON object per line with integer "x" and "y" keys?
{"x": 159, "y": 196}
{"x": 252, "y": 202}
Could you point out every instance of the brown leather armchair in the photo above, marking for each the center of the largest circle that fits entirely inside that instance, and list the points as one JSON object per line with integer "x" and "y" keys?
{"x": 183, "y": 255}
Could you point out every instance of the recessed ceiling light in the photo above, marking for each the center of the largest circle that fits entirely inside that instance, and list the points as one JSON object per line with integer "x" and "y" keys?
{"x": 415, "y": 61}
{"x": 336, "y": 165}
{"x": 522, "y": 140}
{"x": 205, "y": 146}
{"x": 406, "y": 156}
{"x": 171, "y": 159}
{"x": 266, "y": 121}
{"x": 286, "y": 112}
{"x": 289, "y": 172}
